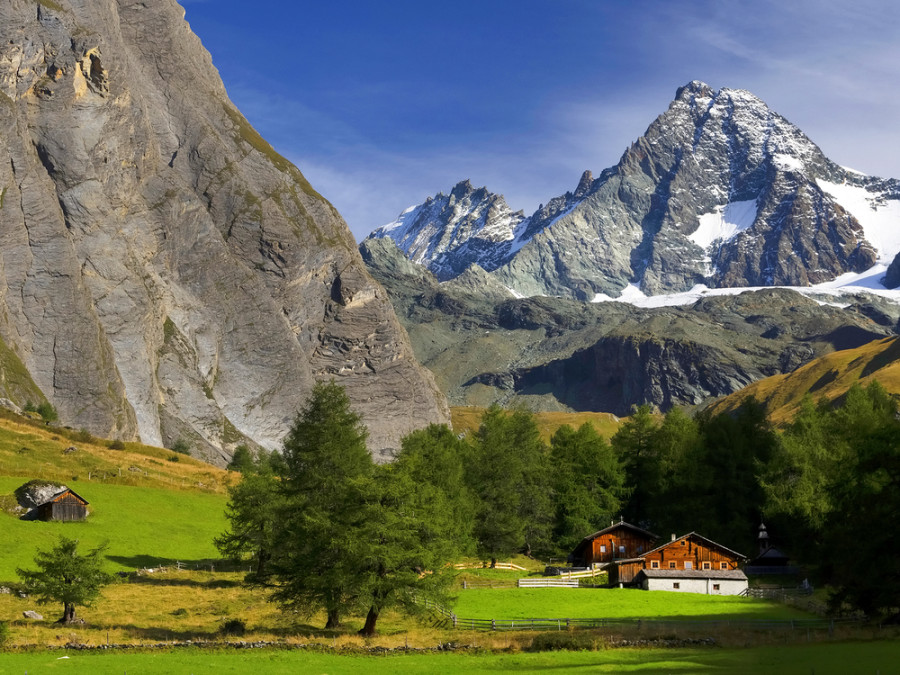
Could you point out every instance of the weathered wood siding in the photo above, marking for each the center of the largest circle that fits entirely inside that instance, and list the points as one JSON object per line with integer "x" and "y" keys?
{"x": 621, "y": 542}
{"x": 690, "y": 553}
{"x": 66, "y": 507}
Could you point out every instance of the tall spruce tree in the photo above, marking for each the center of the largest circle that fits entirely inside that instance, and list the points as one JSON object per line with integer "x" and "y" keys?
{"x": 324, "y": 491}
{"x": 588, "y": 481}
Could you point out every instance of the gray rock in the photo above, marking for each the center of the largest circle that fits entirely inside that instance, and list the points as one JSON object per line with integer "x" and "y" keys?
{"x": 164, "y": 273}
{"x": 35, "y": 495}
{"x": 31, "y": 614}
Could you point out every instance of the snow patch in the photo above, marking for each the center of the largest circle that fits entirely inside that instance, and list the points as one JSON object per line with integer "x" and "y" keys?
{"x": 828, "y": 293}
{"x": 787, "y": 162}
{"x": 879, "y": 217}
{"x": 724, "y": 223}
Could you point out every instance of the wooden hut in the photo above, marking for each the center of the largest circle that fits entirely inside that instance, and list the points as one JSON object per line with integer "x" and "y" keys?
{"x": 65, "y": 506}
{"x": 690, "y": 552}
{"x": 618, "y": 541}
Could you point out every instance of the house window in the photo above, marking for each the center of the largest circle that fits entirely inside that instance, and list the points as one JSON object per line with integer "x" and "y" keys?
{"x": 676, "y": 585}
{"x": 671, "y": 564}
{"x": 723, "y": 566}
{"x": 715, "y": 587}
{"x": 682, "y": 542}
{"x": 602, "y": 548}
{"x": 707, "y": 566}
{"x": 621, "y": 549}
{"x": 654, "y": 564}
{"x": 688, "y": 565}
{"x": 640, "y": 549}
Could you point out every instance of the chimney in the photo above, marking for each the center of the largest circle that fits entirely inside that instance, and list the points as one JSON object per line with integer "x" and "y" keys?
{"x": 673, "y": 536}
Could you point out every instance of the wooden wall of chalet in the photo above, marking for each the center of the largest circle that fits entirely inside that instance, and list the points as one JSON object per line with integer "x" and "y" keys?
{"x": 66, "y": 507}
{"x": 622, "y": 542}
{"x": 699, "y": 555}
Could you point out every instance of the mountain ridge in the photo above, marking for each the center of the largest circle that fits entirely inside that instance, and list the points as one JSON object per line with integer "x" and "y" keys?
{"x": 662, "y": 218}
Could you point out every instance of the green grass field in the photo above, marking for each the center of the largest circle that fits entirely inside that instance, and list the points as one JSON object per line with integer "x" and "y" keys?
{"x": 144, "y": 526}
{"x": 858, "y": 658}
{"x": 575, "y": 603}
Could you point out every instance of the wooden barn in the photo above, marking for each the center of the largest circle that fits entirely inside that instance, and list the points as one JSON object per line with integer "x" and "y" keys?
{"x": 65, "y": 506}
{"x": 690, "y": 552}
{"x": 618, "y": 541}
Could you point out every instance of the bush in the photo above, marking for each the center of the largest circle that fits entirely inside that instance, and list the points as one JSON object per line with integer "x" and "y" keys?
{"x": 234, "y": 627}
{"x": 4, "y": 633}
{"x": 566, "y": 641}
{"x": 83, "y": 436}
{"x": 181, "y": 611}
{"x": 116, "y": 445}
{"x": 174, "y": 458}
{"x": 47, "y": 412}
{"x": 181, "y": 447}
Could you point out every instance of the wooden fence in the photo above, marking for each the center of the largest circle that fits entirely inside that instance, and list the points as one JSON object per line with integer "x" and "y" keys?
{"x": 547, "y": 582}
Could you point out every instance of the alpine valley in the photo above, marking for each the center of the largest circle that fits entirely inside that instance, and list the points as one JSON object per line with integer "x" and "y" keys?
{"x": 722, "y": 248}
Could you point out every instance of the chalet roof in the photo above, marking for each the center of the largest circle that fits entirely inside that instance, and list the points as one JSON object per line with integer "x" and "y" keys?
{"x": 693, "y": 574}
{"x": 63, "y": 493}
{"x": 709, "y": 542}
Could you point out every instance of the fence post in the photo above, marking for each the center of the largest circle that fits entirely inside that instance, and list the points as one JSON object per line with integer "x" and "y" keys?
{"x": 493, "y": 624}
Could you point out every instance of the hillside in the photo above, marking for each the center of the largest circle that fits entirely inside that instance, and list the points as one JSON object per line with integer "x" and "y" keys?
{"x": 827, "y": 377}
{"x": 467, "y": 418}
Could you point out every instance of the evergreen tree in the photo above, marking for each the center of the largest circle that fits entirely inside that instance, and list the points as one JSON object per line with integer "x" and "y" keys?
{"x": 588, "y": 482}
{"x": 66, "y": 577}
{"x": 418, "y": 521}
{"x": 323, "y": 486}
{"x": 508, "y": 472}
{"x": 252, "y": 511}
{"x": 634, "y": 443}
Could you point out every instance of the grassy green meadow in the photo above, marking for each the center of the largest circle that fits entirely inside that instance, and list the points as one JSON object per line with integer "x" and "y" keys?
{"x": 858, "y": 658}
{"x": 145, "y": 527}
{"x": 615, "y": 603}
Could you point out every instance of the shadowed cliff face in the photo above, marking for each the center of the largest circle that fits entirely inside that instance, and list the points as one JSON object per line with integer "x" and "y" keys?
{"x": 164, "y": 273}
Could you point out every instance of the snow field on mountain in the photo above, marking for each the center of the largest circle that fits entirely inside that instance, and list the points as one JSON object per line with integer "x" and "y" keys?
{"x": 880, "y": 222}
{"x": 724, "y": 223}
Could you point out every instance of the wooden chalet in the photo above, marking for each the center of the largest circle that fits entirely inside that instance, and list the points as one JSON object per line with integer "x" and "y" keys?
{"x": 690, "y": 552}
{"x": 618, "y": 541}
{"x": 65, "y": 506}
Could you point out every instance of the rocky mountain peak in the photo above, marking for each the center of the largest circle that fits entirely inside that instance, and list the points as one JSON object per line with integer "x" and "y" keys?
{"x": 720, "y": 190}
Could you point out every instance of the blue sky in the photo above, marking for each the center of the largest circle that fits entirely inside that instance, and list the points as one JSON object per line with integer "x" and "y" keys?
{"x": 384, "y": 103}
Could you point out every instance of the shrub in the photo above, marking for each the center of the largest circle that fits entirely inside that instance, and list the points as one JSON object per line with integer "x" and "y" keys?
{"x": 174, "y": 458}
{"x": 83, "y": 436}
{"x": 116, "y": 445}
{"x": 47, "y": 412}
{"x": 181, "y": 447}
{"x": 4, "y": 633}
{"x": 181, "y": 611}
{"x": 234, "y": 627}
{"x": 566, "y": 641}
{"x": 29, "y": 407}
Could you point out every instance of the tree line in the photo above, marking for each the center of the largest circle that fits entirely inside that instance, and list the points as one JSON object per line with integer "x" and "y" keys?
{"x": 327, "y": 528}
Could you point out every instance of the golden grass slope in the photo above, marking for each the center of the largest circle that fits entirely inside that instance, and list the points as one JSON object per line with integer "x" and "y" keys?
{"x": 465, "y": 419}
{"x": 828, "y": 377}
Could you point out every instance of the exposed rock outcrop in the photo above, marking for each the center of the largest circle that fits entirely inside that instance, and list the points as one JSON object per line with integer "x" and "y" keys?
{"x": 164, "y": 273}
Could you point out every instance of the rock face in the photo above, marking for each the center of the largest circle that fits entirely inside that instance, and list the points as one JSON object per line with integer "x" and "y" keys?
{"x": 164, "y": 273}
{"x": 720, "y": 191}
{"x": 562, "y": 354}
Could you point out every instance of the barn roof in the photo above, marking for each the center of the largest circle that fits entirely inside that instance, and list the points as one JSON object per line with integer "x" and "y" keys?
{"x": 693, "y": 574}
{"x": 67, "y": 491}
{"x": 709, "y": 542}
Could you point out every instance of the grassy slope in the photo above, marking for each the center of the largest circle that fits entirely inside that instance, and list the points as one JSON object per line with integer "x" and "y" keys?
{"x": 467, "y": 419}
{"x": 574, "y": 603}
{"x": 144, "y": 526}
{"x": 863, "y": 658}
{"x": 148, "y": 508}
{"x": 829, "y": 376}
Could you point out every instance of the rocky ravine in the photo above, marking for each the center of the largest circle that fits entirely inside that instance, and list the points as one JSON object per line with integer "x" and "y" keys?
{"x": 720, "y": 191}
{"x": 164, "y": 274}
{"x": 486, "y": 346}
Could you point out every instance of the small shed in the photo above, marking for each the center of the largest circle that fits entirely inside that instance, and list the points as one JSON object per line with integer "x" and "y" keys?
{"x": 708, "y": 582}
{"x": 64, "y": 506}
